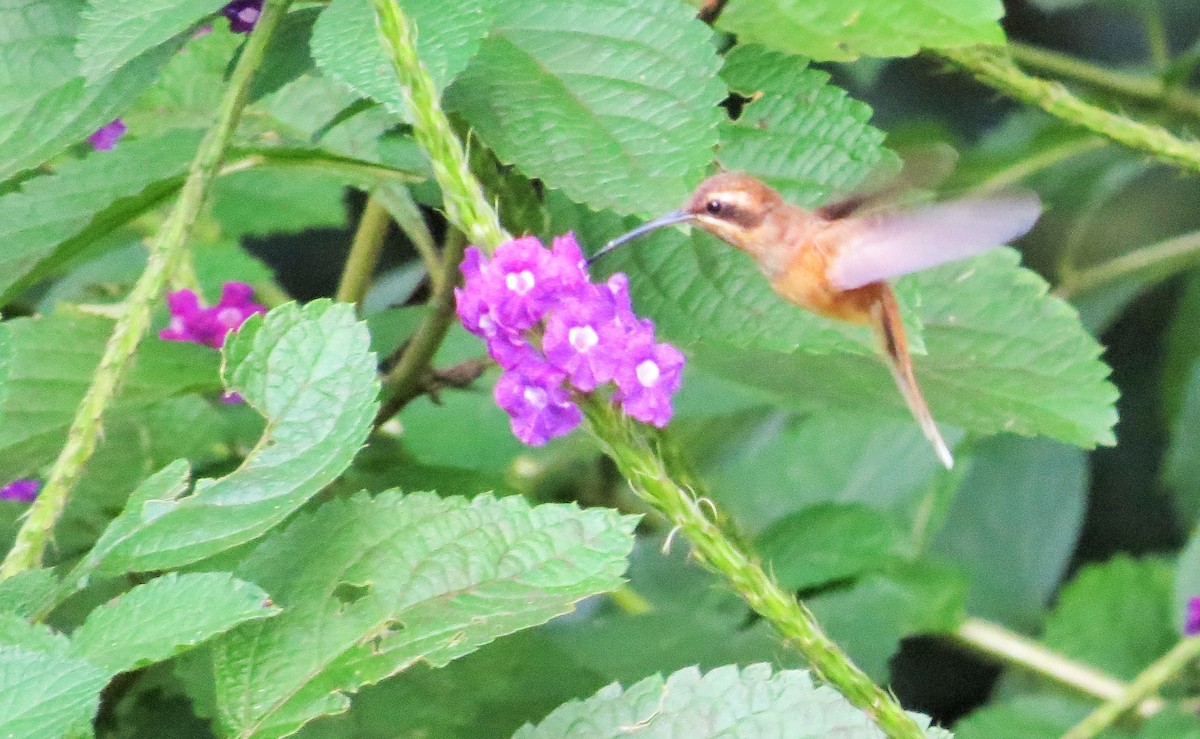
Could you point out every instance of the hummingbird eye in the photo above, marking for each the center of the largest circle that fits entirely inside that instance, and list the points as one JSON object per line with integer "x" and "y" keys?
{"x": 714, "y": 207}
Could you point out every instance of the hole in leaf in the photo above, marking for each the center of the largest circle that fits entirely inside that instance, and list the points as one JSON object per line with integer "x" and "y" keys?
{"x": 349, "y": 593}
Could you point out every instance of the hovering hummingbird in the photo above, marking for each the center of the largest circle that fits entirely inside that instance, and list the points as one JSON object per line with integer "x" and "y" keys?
{"x": 836, "y": 263}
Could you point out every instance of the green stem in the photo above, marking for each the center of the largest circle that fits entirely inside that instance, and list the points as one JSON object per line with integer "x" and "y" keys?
{"x": 1133, "y": 87}
{"x": 364, "y": 252}
{"x": 993, "y": 67}
{"x": 1151, "y": 264}
{"x": 1145, "y": 684}
{"x": 81, "y": 440}
{"x": 400, "y": 204}
{"x": 1156, "y": 36}
{"x": 641, "y": 464}
{"x": 1018, "y": 170}
{"x": 466, "y": 206}
{"x": 1010, "y": 648}
{"x": 406, "y": 380}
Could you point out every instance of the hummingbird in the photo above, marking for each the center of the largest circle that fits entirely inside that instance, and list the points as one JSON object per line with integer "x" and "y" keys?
{"x": 836, "y": 261}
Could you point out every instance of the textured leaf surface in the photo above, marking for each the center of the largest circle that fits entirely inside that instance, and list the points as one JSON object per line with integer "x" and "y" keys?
{"x": 830, "y": 542}
{"x": 53, "y": 359}
{"x": 1116, "y": 616}
{"x": 347, "y": 47}
{"x": 62, "y": 212}
{"x": 117, "y": 31}
{"x": 45, "y": 695}
{"x": 799, "y": 134}
{"x": 310, "y": 372}
{"x": 369, "y": 586}
{"x": 263, "y": 201}
{"x": 166, "y": 616}
{"x": 45, "y": 102}
{"x": 842, "y": 31}
{"x": 1002, "y": 354}
{"x": 623, "y": 118}
{"x": 726, "y": 702}
{"x": 1013, "y": 526}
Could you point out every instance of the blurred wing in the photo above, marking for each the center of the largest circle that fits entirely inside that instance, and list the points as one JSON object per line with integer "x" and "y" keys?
{"x": 894, "y": 244}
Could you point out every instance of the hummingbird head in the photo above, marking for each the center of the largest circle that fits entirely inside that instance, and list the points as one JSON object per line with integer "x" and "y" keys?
{"x": 731, "y": 206}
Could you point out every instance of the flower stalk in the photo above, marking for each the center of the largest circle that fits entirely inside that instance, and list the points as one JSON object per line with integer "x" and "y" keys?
{"x": 626, "y": 442}
{"x": 994, "y": 67}
{"x": 165, "y": 251}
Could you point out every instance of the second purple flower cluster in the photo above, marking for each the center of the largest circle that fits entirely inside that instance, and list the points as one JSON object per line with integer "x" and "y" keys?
{"x": 553, "y": 330}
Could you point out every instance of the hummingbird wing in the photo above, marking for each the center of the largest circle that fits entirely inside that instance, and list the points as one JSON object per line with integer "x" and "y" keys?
{"x": 888, "y": 245}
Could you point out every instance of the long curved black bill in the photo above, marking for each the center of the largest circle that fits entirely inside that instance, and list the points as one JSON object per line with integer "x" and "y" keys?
{"x": 678, "y": 216}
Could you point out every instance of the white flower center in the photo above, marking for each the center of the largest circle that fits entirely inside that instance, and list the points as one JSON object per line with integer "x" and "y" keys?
{"x": 536, "y": 397}
{"x": 248, "y": 15}
{"x": 647, "y": 373}
{"x": 519, "y": 282}
{"x": 582, "y": 338}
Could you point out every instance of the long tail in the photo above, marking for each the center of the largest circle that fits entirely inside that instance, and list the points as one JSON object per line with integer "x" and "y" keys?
{"x": 890, "y": 330}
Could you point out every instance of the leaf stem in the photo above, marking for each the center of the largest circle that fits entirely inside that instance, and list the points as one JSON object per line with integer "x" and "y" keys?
{"x": 399, "y": 202}
{"x": 1144, "y": 685}
{"x": 994, "y": 67}
{"x": 643, "y": 466}
{"x": 31, "y": 541}
{"x": 1151, "y": 263}
{"x": 1011, "y": 648}
{"x": 364, "y": 253}
{"x": 407, "y": 379}
{"x": 1134, "y": 87}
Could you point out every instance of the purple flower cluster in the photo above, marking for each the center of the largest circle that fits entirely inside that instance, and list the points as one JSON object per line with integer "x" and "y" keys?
{"x": 106, "y": 136}
{"x": 553, "y": 330}
{"x": 242, "y": 14}
{"x": 22, "y": 491}
{"x": 1191, "y": 622}
{"x": 209, "y": 326}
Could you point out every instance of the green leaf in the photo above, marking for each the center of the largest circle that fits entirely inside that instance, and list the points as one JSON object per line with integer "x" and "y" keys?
{"x": 623, "y": 119}
{"x": 47, "y": 695}
{"x": 18, "y": 632}
{"x": 287, "y": 55}
{"x": 1014, "y": 524}
{"x": 45, "y": 102}
{"x": 869, "y": 618}
{"x": 1181, "y": 468}
{"x": 843, "y": 30}
{"x": 1003, "y": 355}
{"x": 488, "y": 693}
{"x": 826, "y": 457}
{"x": 829, "y": 542}
{"x": 1183, "y": 348}
{"x": 187, "y": 93}
{"x": 61, "y": 352}
{"x": 1025, "y": 716}
{"x": 1172, "y": 723}
{"x": 1117, "y": 616}
{"x": 24, "y": 592}
{"x": 258, "y": 202}
{"x": 347, "y": 47}
{"x": 369, "y": 586}
{"x": 55, "y": 216}
{"x": 166, "y": 616}
{"x": 310, "y": 372}
{"x": 115, "y": 32}
{"x": 728, "y": 701}
{"x": 799, "y": 134}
